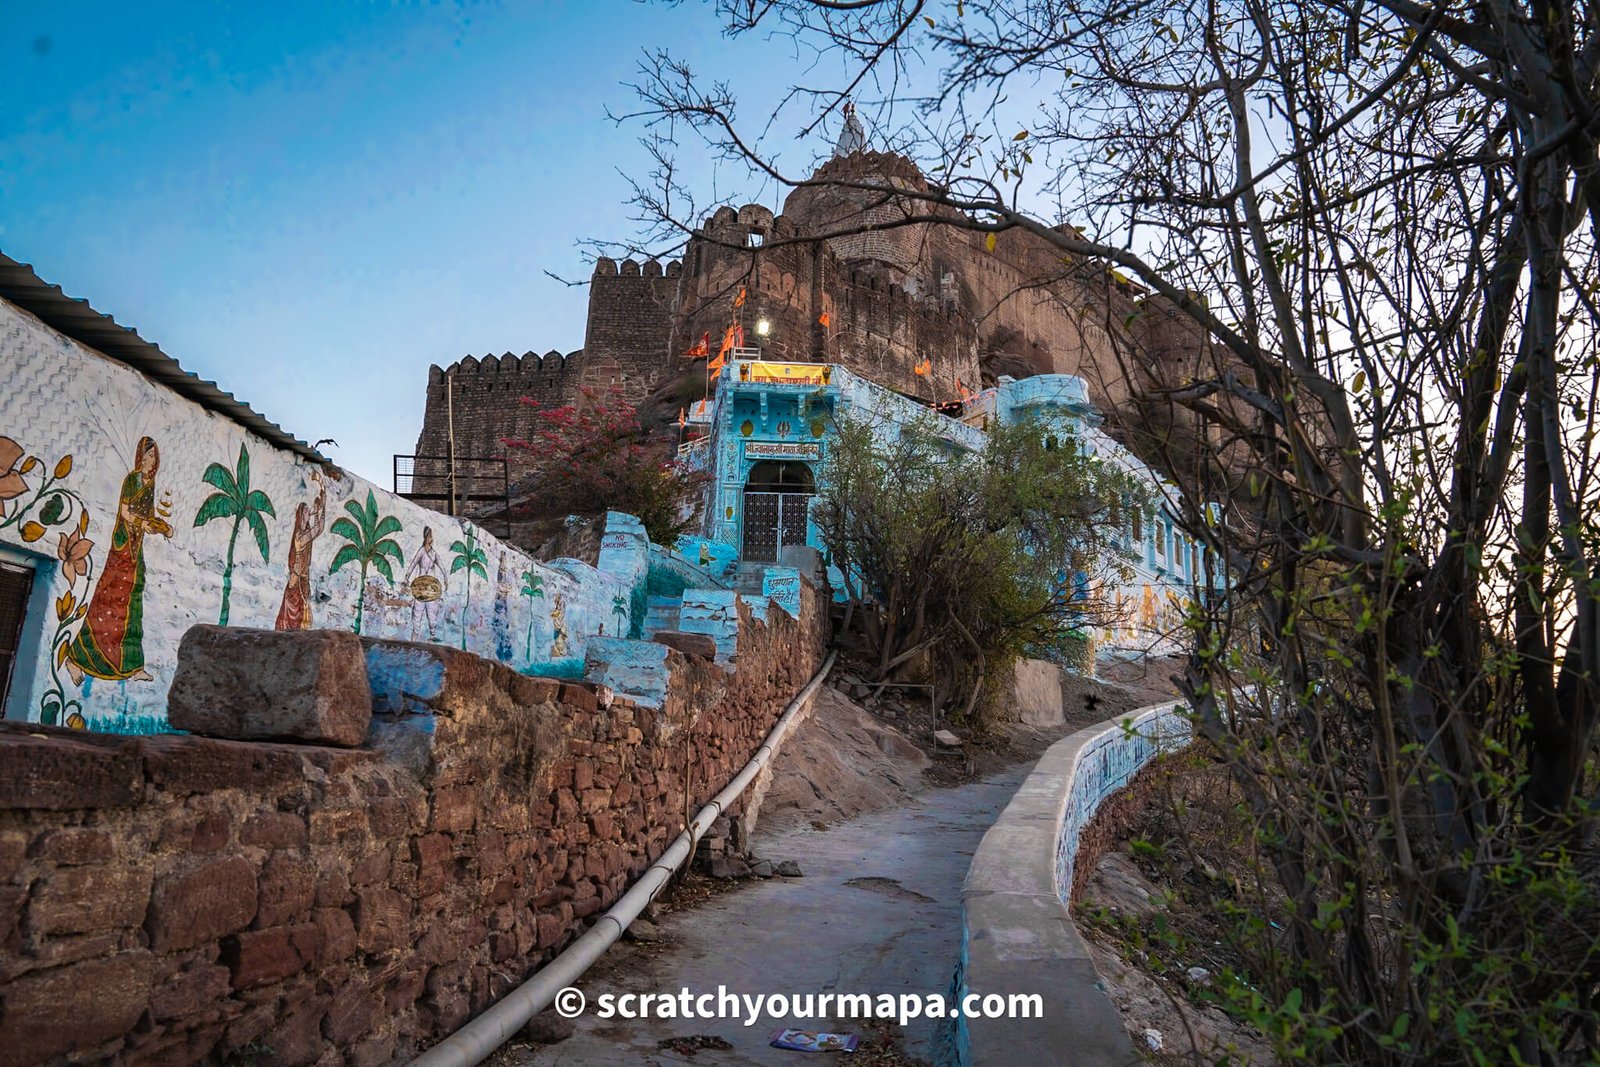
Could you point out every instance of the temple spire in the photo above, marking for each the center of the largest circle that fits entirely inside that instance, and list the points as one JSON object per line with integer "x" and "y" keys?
{"x": 852, "y": 138}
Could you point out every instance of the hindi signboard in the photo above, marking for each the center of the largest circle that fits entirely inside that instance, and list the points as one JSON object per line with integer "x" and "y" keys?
{"x": 782, "y": 450}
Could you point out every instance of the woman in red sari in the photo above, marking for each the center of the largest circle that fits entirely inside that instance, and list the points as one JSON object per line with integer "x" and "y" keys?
{"x": 110, "y": 644}
{"x": 295, "y": 611}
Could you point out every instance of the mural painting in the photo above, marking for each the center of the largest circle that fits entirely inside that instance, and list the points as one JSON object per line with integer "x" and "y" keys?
{"x": 502, "y": 611}
{"x": 110, "y": 643}
{"x": 558, "y": 628}
{"x": 56, "y": 506}
{"x": 425, "y": 579}
{"x": 469, "y": 557}
{"x": 294, "y": 612}
{"x": 88, "y": 499}
{"x": 234, "y": 499}
{"x": 370, "y": 543}
{"x": 533, "y": 589}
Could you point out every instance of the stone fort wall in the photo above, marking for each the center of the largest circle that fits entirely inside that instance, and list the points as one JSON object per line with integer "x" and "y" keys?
{"x": 893, "y": 295}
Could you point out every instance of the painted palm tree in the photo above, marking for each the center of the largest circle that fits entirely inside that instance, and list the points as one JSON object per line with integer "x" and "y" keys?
{"x": 469, "y": 557}
{"x": 234, "y": 499}
{"x": 532, "y": 588}
{"x": 619, "y": 609}
{"x": 371, "y": 544}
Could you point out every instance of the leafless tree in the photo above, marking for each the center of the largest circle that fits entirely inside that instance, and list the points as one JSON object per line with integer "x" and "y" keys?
{"x": 1379, "y": 219}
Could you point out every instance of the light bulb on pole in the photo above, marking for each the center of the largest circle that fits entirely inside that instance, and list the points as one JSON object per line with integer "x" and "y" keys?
{"x": 763, "y": 327}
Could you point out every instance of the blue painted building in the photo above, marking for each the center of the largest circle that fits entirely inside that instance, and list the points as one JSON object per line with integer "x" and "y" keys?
{"x": 763, "y": 440}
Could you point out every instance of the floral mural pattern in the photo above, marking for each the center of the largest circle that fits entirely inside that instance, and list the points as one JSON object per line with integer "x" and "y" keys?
{"x": 51, "y": 504}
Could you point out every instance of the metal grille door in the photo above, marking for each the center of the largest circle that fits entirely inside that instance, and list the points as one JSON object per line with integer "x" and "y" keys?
{"x": 773, "y": 522}
{"x": 761, "y": 527}
{"x": 15, "y": 584}
{"x": 793, "y": 510}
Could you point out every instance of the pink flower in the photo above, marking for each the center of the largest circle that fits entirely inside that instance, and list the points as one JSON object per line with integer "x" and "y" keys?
{"x": 11, "y": 483}
{"x": 73, "y": 551}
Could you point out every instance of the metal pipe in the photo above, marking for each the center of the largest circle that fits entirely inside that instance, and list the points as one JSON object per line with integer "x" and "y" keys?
{"x": 477, "y": 1040}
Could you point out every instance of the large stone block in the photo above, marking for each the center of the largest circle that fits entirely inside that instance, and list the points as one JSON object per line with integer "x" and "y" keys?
{"x": 183, "y": 765}
{"x": 79, "y": 900}
{"x": 287, "y": 887}
{"x": 263, "y": 684}
{"x": 202, "y": 904}
{"x": 1035, "y": 697}
{"x": 73, "y": 1009}
{"x": 262, "y": 956}
{"x": 50, "y": 769}
{"x": 701, "y": 646}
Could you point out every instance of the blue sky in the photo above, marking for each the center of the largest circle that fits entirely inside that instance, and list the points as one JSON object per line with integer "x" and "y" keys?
{"x": 311, "y": 206}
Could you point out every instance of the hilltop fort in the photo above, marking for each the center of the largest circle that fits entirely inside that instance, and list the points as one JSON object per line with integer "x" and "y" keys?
{"x": 840, "y": 277}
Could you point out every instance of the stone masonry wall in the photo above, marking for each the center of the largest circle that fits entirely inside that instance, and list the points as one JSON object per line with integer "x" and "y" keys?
{"x": 179, "y": 899}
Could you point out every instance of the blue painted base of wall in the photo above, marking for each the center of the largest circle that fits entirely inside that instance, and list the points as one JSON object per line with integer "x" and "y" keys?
{"x": 139, "y": 725}
{"x": 570, "y": 669}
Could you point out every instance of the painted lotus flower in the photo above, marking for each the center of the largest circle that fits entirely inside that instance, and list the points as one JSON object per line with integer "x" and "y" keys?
{"x": 73, "y": 551}
{"x": 11, "y": 483}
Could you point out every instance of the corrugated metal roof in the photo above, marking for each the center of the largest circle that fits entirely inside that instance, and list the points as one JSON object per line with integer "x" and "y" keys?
{"x": 75, "y": 318}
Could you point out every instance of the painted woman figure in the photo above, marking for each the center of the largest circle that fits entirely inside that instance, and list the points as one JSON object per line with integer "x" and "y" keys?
{"x": 558, "y": 624}
{"x": 110, "y": 644}
{"x": 295, "y": 611}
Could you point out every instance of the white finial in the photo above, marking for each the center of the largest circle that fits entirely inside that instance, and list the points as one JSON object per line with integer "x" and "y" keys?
{"x": 852, "y": 138}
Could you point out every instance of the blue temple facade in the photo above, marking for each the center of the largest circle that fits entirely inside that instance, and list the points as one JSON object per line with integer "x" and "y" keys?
{"x": 762, "y": 440}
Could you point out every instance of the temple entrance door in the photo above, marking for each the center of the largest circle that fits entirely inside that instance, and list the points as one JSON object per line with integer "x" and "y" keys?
{"x": 777, "y": 504}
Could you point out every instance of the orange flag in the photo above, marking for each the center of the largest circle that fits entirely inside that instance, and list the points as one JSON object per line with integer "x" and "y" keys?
{"x": 716, "y": 365}
{"x": 702, "y": 348}
{"x": 923, "y": 368}
{"x": 824, "y": 320}
{"x": 682, "y": 418}
{"x": 738, "y": 301}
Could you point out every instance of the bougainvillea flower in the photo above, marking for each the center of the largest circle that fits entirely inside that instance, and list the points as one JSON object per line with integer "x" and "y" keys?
{"x": 73, "y": 551}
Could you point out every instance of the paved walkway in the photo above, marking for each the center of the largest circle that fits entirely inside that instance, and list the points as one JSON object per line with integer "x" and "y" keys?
{"x": 878, "y": 911}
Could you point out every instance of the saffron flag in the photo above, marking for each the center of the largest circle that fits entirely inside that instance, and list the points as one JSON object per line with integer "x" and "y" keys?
{"x": 716, "y": 365}
{"x": 682, "y": 418}
{"x": 738, "y": 301}
{"x": 824, "y": 320}
{"x": 923, "y": 368}
{"x": 702, "y": 348}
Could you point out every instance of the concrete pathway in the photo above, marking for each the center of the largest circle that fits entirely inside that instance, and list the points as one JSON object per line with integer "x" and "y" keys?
{"x": 878, "y": 911}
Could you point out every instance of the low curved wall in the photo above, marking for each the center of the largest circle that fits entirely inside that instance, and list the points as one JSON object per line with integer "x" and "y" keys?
{"x": 1017, "y": 935}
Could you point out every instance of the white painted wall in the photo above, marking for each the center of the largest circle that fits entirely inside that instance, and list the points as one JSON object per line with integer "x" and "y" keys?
{"x": 60, "y": 399}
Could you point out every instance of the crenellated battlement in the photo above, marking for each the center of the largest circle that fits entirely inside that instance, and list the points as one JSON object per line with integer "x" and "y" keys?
{"x": 493, "y": 368}
{"x": 606, "y": 267}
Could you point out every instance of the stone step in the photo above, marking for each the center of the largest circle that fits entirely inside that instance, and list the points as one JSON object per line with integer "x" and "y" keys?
{"x": 661, "y": 613}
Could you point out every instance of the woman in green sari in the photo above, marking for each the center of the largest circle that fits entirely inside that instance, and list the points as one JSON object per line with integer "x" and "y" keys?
{"x": 111, "y": 642}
